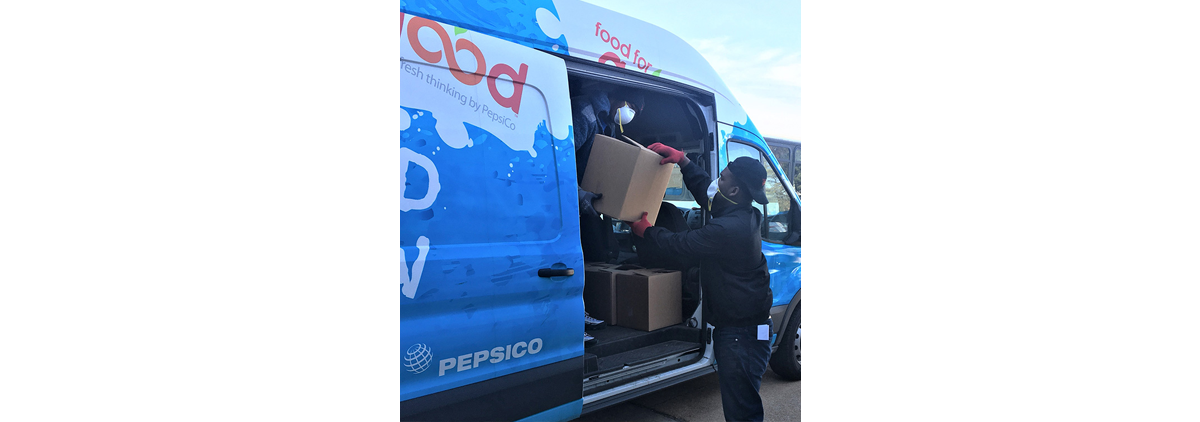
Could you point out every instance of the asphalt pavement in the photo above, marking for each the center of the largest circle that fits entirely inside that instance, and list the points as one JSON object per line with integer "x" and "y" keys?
{"x": 699, "y": 400}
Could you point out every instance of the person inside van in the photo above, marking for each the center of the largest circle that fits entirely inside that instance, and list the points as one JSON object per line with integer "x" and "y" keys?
{"x": 736, "y": 284}
{"x": 604, "y": 113}
{"x": 594, "y": 113}
{"x": 591, "y": 114}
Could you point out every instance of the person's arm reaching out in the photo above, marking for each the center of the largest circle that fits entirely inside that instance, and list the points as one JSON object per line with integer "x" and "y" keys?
{"x": 704, "y": 242}
{"x": 694, "y": 177}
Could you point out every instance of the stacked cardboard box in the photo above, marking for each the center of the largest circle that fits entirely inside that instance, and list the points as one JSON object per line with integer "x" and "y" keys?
{"x": 600, "y": 291}
{"x": 630, "y": 296}
{"x": 649, "y": 299}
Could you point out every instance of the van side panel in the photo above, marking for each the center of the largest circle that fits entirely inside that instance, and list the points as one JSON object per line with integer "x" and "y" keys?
{"x": 783, "y": 262}
{"x": 488, "y": 172}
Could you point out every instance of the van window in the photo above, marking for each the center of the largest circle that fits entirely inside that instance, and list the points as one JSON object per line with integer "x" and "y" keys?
{"x": 775, "y": 212}
{"x": 784, "y": 155}
{"x": 796, "y": 172}
{"x": 677, "y": 193}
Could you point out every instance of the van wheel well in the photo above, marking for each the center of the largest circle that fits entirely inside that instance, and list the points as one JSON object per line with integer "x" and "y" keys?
{"x": 785, "y": 362}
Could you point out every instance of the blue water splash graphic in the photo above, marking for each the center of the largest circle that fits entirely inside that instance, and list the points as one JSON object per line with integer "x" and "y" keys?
{"x": 746, "y": 131}
{"x": 515, "y": 21}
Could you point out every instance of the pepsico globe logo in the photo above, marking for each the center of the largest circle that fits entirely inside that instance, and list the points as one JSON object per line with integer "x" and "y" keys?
{"x": 417, "y": 359}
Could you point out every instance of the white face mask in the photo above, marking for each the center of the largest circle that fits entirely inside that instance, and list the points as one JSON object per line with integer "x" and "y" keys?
{"x": 713, "y": 190}
{"x": 623, "y": 115}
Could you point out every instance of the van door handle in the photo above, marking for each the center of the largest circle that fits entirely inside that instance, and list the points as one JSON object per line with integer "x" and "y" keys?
{"x": 555, "y": 272}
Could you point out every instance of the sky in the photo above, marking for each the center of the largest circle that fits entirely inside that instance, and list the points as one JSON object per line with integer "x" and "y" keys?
{"x": 757, "y": 54}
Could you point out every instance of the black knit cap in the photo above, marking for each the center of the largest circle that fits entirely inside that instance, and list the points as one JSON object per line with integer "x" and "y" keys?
{"x": 751, "y": 176}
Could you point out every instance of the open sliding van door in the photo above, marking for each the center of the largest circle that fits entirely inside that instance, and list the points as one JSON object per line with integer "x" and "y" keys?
{"x": 491, "y": 311}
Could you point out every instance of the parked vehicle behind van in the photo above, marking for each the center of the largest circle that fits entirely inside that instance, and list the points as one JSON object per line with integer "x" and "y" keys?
{"x": 788, "y": 153}
{"x": 491, "y": 312}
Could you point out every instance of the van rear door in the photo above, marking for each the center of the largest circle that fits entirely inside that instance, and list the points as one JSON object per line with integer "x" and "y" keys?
{"x": 491, "y": 312}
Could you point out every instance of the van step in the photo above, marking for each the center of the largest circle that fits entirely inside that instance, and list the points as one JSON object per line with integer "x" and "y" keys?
{"x": 617, "y": 339}
{"x": 644, "y": 354}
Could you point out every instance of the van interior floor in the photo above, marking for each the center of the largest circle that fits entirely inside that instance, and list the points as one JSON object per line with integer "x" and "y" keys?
{"x": 616, "y": 346}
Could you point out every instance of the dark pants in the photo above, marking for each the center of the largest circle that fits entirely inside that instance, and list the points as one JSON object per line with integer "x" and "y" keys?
{"x": 741, "y": 363}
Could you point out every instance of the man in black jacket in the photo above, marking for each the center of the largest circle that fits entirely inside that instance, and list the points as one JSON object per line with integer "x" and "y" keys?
{"x": 735, "y": 281}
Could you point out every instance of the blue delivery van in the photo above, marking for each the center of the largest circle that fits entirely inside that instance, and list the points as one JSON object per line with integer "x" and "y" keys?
{"x": 492, "y": 243}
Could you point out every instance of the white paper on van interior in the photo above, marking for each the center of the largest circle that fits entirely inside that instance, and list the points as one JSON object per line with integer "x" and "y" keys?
{"x": 629, "y": 176}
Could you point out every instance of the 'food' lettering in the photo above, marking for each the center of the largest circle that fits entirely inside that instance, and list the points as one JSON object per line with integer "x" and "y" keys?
{"x": 623, "y": 49}
{"x": 473, "y": 77}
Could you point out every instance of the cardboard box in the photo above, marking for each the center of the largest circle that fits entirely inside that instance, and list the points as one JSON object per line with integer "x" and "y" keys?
{"x": 649, "y": 299}
{"x": 600, "y": 291}
{"x": 629, "y": 177}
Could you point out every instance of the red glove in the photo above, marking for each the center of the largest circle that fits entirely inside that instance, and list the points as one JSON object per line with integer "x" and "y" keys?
{"x": 672, "y": 155}
{"x": 639, "y": 228}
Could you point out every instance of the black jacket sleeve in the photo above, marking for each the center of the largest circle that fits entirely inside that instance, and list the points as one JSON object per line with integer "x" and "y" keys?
{"x": 697, "y": 182}
{"x": 706, "y": 242}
